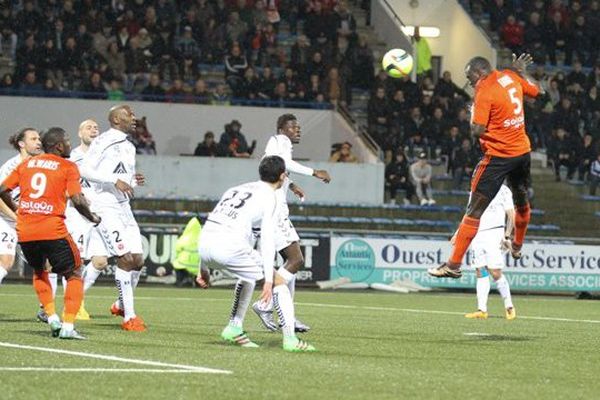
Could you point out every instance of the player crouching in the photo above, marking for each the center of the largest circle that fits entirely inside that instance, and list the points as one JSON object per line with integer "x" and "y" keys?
{"x": 226, "y": 242}
{"x": 46, "y": 181}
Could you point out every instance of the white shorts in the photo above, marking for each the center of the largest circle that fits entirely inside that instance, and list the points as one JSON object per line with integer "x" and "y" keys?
{"x": 116, "y": 235}
{"x": 285, "y": 233}
{"x": 486, "y": 248}
{"x": 218, "y": 251}
{"x": 79, "y": 228}
{"x": 8, "y": 237}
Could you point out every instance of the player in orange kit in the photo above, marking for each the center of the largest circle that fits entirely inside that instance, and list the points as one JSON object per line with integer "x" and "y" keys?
{"x": 46, "y": 181}
{"x": 498, "y": 121}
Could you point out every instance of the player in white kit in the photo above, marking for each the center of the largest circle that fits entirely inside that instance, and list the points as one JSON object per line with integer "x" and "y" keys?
{"x": 227, "y": 242}
{"x": 80, "y": 228}
{"x": 287, "y": 241}
{"x": 27, "y": 142}
{"x": 488, "y": 246}
{"x": 109, "y": 166}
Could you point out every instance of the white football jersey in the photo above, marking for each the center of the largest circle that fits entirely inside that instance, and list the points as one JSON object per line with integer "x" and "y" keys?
{"x": 494, "y": 215}
{"x": 77, "y": 156}
{"x": 111, "y": 157}
{"x": 5, "y": 170}
{"x": 242, "y": 210}
{"x": 280, "y": 145}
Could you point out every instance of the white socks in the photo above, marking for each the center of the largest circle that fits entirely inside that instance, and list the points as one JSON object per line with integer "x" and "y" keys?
{"x": 483, "y": 291}
{"x": 90, "y": 274}
{"x": 241, "y": 300}
{"x": 292, "y": 285}
{"x": 53, "y": 282}
{"x": 3, "y": 273}
{"x": 123, "y": 280}
{"x": 284, "y": 305}
{"x": 135, "y": 278}
{"x": 504, "y": 290}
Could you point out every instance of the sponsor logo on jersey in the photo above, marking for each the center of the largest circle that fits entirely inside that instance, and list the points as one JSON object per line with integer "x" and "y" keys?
{"x": 120, "y": 169}
{"x": 36, "y": 207}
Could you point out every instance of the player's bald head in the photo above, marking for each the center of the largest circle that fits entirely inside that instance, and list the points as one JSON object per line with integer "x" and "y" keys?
{"x": 121, "y": 117}
{"x": 479, "y": 64}
{"x": 477, "y": 68}
{"x": 88, "y": 131}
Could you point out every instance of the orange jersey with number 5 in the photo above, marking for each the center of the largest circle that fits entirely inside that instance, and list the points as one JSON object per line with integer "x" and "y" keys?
{"x": 45, "y": 181}
{"x": 498, "y": 106}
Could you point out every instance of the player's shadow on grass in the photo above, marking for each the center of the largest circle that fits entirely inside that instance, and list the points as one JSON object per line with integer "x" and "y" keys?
{"x": 7, "y": 318}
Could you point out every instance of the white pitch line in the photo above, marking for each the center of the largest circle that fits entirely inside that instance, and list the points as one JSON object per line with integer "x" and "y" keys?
{"x": 152, "y": 371}
{"x": 118, "y": 359}
{"x": 345, "y": 306}
{"x": 476, "y": 334}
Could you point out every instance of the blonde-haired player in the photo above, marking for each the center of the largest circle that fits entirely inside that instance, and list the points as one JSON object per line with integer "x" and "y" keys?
{"x": 488, "y": 248}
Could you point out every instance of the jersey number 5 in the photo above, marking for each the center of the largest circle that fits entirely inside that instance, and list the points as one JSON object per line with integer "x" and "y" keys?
{"x": 512, "y": 93}
{"x": 38, "y": 185}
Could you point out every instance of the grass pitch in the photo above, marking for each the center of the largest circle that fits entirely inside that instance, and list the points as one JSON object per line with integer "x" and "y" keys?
{"x": 371, "y": 346}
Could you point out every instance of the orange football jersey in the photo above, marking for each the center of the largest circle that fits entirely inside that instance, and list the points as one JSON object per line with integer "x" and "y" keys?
{"x": 498, "y": 106}
{"x": 45, "y": 182}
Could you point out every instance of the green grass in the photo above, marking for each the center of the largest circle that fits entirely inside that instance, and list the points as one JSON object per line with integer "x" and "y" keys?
{"x": 370, "y": 345}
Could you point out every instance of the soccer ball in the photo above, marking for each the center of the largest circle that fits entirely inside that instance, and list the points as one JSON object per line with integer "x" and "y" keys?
{"x": 397, "y": 63}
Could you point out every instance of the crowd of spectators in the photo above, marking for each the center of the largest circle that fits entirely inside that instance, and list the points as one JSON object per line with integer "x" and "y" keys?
{"x": 551, "y": 30}
{"x": 159, "y": 50}
{"x": 232, "y": 143}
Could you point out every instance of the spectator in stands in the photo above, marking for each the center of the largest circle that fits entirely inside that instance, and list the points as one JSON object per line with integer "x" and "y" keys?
{"x": 345, "y": 26}
{"x": 415, "y": 144}
{"x": 220, "y": 96}
{"x": 291, "y": 83}
{"x": 446, "y": 90}
{"x": 233, "y": 142}
{"x": 50, "y": 89}
{"x": 595, "y": 175}
{"x": 208, "y": 147}
{"x": 397, "y": 177}
{"x": 300, "y": 56}
{"x": 115, "y": 93}
{"x": 266, "y": 84}
{"x": 136, "y": 65}
{"x": 586, "y": 154}
{"x": 94, "y": 89}
{"x": 581, "y": 37}
{"x": 423, "y": 54}
{"x": 360, "y": 57}
{"x": 498, "y": 11}
{"x": 187, "y": 47}
{"x": 421, "y": 174}
{"x": 512, "y": 34}
{"x": 316, "y": 66}
{"x": 176, "y": 93}
{"x": 30, "y": 85}
{"x": 314, "y": 88}
{"x": 343, "y": 153}
{"x": 534, "y": 38}
{"x": 334, "y": 88}
{"x": 565, "y": 116}
{"x": 450, "y": 145}
{"x": 434, "y": 128}
{"x": 200, "y": 93}
{"x": 8, "y": 43}
{"x": 563, "y": 152}
{"x": 248, "y": 88}
{"x": 378, "y": 115}
{"x": 557, "y": 36}
{"x": 414, "y": 123}
{"x": 235, "y": 28}
{"x": 142, "y": 139}
{"x": 463, "y": 163}
{"x": 235, "y": 66}
{"x": 7, "y": 85}
{"x": 154, "y": 91}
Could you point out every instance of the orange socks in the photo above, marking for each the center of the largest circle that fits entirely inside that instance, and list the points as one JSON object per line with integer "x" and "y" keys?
{"x": 73, "y": 298}
{"x": 42, "y": 287}
{"x": 466, "y": 232}
{"x": 522, "y": 218}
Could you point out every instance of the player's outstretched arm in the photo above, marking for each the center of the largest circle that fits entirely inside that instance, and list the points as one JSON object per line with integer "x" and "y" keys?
{"x": 203, "y": 278}
{"x": 520, "y": 64}
{"x": 297, "y": 190}
{"x": 81, "y": 205}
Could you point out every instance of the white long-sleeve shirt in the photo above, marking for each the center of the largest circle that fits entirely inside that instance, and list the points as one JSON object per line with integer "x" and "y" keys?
{"x": 595, "y": 168}
{"x": 244, "y": 208}
{"x": 280, "y": 145}
{"x": 5, "y": 170}
{"x": 111, "y": 157}
{"x": 77, "y": 156}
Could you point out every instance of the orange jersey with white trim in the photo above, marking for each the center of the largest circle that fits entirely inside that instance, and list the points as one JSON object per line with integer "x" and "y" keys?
{"x": 498, "y": 105}
{"x": 45, "y": 182}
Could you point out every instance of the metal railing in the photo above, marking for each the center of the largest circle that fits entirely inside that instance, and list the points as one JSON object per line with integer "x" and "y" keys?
{"x": 362, "y": 133}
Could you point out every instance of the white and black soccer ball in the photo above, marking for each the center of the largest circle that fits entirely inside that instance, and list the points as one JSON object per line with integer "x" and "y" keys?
{"x": 397, "y": 63}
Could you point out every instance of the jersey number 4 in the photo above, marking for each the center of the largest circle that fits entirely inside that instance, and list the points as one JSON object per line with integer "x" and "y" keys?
{"x": 236, "y": 201}
{"x": 512, "y": 93}
{"x": 38, "y": 185}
